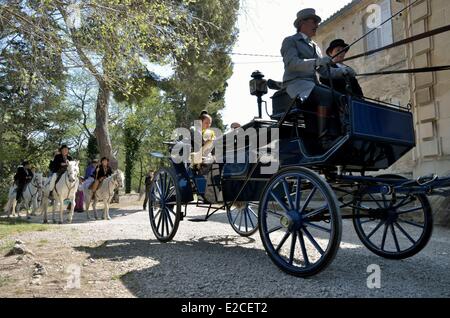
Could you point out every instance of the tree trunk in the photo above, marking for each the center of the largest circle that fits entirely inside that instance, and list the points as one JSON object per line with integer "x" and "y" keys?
{"x": 102, "y": 129}
{"x": 101, "y": 125}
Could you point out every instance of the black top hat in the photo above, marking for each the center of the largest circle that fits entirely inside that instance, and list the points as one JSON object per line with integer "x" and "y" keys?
{"x": 63, "y": 147}
{"x": 337, "y": 43}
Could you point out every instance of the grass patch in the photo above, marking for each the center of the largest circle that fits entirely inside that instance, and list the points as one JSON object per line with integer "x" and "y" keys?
{"x": 13, "y": 226}
{"x": 6, "y": 247}
{"x": 4, "y": 281}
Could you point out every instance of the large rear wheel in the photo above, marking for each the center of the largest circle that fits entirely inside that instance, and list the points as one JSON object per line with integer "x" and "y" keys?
{"x": 395, "y": 226}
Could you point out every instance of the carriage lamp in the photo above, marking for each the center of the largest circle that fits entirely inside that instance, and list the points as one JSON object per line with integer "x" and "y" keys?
{"x": 258, "y": 85}
{"x": 258, "y": 88}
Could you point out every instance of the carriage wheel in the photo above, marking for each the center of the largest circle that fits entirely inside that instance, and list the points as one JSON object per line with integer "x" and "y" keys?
{"x": 299, "y": 221}
{"x": 395, "y": 226}
{"x": 164, "y": 205}
{"x": 243, "y": 218}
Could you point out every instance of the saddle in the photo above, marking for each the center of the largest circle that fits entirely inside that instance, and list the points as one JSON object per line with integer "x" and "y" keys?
{"x": 95, "y": 185}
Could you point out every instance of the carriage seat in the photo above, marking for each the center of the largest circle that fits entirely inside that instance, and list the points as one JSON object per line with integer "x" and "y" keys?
{"x": 281, "y": 101}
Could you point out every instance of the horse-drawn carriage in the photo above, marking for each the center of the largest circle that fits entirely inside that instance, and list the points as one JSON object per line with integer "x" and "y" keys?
{"x": 299, "y": 208}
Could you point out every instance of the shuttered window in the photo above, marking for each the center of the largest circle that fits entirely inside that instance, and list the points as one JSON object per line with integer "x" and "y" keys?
{"x": 381, "y": 36}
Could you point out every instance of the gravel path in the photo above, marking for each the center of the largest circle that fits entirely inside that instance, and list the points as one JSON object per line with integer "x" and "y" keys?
{"x": 121, "y": 258}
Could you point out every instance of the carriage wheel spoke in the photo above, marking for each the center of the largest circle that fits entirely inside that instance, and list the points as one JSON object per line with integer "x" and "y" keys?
{"x": 167, "y": 223}
{"x": 277, "y": 228}
{"x": 292, "y": 254}
{"x": 240, "y": 219}
{"x": 171, "y": 211}
{"x": 410, "y": 210}
{"x": 275, "y": 213}
{"x": 245, "y": 219}
{"x": 313, "y": 241}
{"x": 279, "y": 201}
{"x": 298, "y": 195}
{"x": 318, "y": 227}
{"x": 288, "y": 194}
{"x": 413, "y": 224}
{"x": 394, "y": 235}
{"x": 308, "y": 199}
{"x": 250, "y": 217}
{"x": 383, "y": 241}
{"x": 237, "y": 214}
{"x": 375, "y": 200}
{"x": 168, "y": 216}
{"x": 303, "y": 247}
{"x": 405, "y": 201}
{"x": 376, "y": 229}
{"x": 317, "y": 212}
{"x": 367, "y": 221}
{"x": 286, "y": 236}
{"x": 405, "y": 233}
{"x": 160, "y": 220}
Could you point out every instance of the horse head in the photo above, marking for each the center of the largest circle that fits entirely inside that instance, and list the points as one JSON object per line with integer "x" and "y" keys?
{"x": 73, "y": 170}
{"x": 37, "y": 180}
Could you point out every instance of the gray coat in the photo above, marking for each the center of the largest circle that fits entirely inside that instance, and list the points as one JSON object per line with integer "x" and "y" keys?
{"x": 299, "y": 66}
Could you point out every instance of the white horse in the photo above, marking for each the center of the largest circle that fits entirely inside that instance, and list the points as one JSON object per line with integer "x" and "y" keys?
{"x": 104, "y": 193}
{"x": 31, "y": 195}
{"x": 65, "y": 189}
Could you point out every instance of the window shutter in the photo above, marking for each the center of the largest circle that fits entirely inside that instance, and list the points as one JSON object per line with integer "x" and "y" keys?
{"x": 386, "y": 29}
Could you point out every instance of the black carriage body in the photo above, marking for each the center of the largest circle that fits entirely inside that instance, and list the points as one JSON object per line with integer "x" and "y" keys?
{"x": 376, "y": 137}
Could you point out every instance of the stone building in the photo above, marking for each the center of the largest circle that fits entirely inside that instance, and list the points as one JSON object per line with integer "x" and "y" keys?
{"x": 428, "y": 93}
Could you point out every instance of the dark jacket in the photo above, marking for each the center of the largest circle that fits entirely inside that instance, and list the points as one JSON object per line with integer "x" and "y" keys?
{"x": 100, "y": 173}
{"x": 340, "y": 85}
{"x": 23, "y": 176}
{"x": 148, "y": 182}
{"x": 56, "y": 166}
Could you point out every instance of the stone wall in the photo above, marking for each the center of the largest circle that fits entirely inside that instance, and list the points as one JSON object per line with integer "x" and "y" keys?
{"x": 429, "y": 93}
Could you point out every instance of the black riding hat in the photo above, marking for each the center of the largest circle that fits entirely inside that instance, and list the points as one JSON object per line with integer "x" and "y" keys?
{"x": 337, "y": 43}
{"x": 25, "y": 162}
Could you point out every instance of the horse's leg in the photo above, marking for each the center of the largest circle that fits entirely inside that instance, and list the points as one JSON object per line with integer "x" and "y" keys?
{"x": 61, "y": 211}
{"x": 72, "y": 209}
{"x": 54, "y": 204}
{"x": 107, "y": 211}
{"x": 94, "y": 205}
{"x": 14, "y": 207}
{"x": 44, "y": 209}
{"x": 87, "y": 203}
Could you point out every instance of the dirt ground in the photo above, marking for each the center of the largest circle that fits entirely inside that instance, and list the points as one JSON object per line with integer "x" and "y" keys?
{"x": 121, "y": 258}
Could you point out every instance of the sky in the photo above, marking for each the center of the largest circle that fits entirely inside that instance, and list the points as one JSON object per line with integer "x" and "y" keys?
{"x": 263, "y": 24}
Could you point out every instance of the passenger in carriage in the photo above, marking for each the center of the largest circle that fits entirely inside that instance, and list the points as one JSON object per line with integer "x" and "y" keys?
{"x": 347, "y": 85}
{"x": 303, "y": 59}
{"x": 208, "y": 137}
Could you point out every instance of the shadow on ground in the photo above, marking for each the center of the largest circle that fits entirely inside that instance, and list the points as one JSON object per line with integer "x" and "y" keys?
{"x": 230, "y": 266}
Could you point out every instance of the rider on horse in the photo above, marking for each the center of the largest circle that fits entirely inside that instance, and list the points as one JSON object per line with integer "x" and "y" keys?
{"x": 102, "y": 172}
{"x": 23, "y": 176}
{"x": 59, "y": 165}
